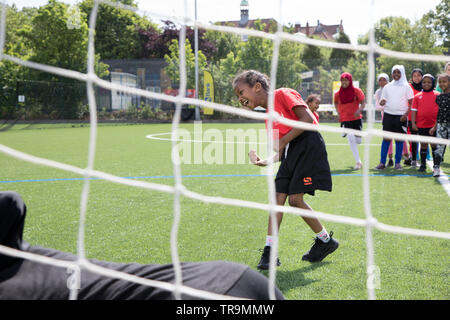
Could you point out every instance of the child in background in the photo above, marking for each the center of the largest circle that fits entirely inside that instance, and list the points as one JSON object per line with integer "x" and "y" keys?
{"x": 424, "y": 115}
{"x": 304, "y": 164}
{"x": 396, "y": 99}
{"x": 313, "y": 102}
{"x": 446, "y": 71}
{"x": 416, "y": 86}
{"x": 442, "y": 126}
{"x": 349, "y": 102}
{"x": 383, "y": 79}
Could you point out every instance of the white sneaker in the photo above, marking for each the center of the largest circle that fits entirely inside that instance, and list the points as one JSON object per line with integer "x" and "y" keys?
{"x": 414, "y": 163}
{"x": 357, "y": 166}
{"x": 436, "y": 171}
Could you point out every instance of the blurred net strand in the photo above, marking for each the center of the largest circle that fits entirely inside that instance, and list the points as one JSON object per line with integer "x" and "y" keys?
{"x": 196, "y": 196}
{"x": 177, "y": 163}
{"x": 270, "y": 182}
{"x": 370, "y": 252}
{"x": 216, "y": 106}
{"x": 81, "y": 252}
{"x": 218, "y": 200}
{"x": 283, "y": 35}
{"x": 220, "y": 107}
{"x": 91, "y": 78}
{"x": 2, "y": 29}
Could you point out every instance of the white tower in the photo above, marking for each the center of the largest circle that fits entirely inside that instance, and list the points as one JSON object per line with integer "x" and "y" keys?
{"x": 244, "y": 17}
{"x": 244, "y": 14}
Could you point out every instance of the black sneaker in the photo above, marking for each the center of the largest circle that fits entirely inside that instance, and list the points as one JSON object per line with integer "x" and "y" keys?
{"x": 381, "y": 166}
{"x": 407, "y": 162}
{"x": 265, "y": 259}
{"x": 422, "y": 168}
{"x": 320, "y": 249}
{"x": 390, "y": 163}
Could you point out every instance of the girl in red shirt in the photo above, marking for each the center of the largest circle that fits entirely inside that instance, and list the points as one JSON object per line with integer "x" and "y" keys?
{"x": 424, "y": 114}
{"x": 304, "y": 164}
{"x": 416, "y": 85}
{"x": 349, "y": 102}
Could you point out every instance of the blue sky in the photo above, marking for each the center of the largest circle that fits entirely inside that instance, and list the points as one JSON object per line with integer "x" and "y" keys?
{"x": 354, "y": 13}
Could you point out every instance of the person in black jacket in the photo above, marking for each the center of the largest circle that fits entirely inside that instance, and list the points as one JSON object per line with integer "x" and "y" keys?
{"x": 22, "y": 279}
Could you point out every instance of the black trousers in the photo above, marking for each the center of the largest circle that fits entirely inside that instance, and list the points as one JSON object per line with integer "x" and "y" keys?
{"x": 27, "y": 280}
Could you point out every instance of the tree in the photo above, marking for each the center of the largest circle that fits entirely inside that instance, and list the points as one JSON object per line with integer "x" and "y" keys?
{"x": 155, "y": 43}
{"x": 53, "y": 43}
{"x": 358, "y": 68}
{"x": 312, "y": 57}
{"x": 224, "y": 42}
{"x": 223, "y": 74}
{"x": 116, "y": 30}
{"x": 324, "y": 83}
{"x": 290, "y": 64}
{"x": 15, "y": 45}
{"x": 439, "y": 21}
{"x": 173, "y": 63}
{"x": 340, "y": 57}
{"x": 256, "y": 52}
{"x": 399, "y": 34}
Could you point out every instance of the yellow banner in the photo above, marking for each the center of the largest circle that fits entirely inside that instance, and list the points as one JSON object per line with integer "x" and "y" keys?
{"x": 336, "y": 87}
{"x": 208, "y": 91}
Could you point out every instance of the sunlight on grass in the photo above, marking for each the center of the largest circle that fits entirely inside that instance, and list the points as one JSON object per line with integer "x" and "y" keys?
{"x": 126, "y": 224}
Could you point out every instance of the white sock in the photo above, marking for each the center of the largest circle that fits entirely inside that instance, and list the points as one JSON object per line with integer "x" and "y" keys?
{"x": 354, "y": 146}
{"x": 323, "y": 235}
{"x": 269, "y": 241}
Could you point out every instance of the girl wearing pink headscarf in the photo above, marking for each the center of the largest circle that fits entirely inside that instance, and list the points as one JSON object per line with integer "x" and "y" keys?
{"x": 349, "y": 102}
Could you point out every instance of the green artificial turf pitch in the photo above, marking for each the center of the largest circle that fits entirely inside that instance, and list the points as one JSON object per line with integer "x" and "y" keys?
{"x": 128, "y": 224}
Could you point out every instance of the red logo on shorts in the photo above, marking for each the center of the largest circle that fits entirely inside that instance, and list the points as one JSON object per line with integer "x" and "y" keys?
{"x": 307, "y": 181}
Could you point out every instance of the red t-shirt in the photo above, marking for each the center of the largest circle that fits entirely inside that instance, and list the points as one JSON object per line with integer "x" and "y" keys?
{"x": 347, "y": 110}
{"x": 427, "y": 109}
{"x": 415, "y": 92}
{"x": 285, "y": 101}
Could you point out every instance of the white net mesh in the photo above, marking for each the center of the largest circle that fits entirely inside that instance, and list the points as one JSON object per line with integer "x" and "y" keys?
{"x": 179, "y": 189}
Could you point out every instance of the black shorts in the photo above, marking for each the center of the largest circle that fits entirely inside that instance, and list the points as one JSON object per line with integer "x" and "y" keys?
{"x": 426, "y": 132}
{"x": 354, "y": 124}
{"x": 304, "y": 166}
{"x": 411, "y": 130}
{"x": 392, "y": 123}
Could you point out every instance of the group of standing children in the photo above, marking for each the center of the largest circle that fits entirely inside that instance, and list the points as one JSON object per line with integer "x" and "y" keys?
{"x": 304, "y": 164}
{"x": 414, "y": 108}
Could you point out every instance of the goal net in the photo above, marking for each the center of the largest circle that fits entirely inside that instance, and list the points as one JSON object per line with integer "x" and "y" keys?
{"x": 178, "y": 190}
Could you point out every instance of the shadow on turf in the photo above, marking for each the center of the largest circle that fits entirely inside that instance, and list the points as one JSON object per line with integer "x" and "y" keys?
{"x": 445, "y": 165}
{"x": 295, "y": 278}
{"x": 406, "y": 171}
{"x": 350, "y": 170}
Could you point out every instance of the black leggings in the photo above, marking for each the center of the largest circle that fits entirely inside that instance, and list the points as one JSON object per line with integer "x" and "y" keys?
{"x": 413, "y": 144}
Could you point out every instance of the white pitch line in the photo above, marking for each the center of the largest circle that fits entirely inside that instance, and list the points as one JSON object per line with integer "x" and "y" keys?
{"x": 154, "y": 136}
{"x": 443, "y": 178}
